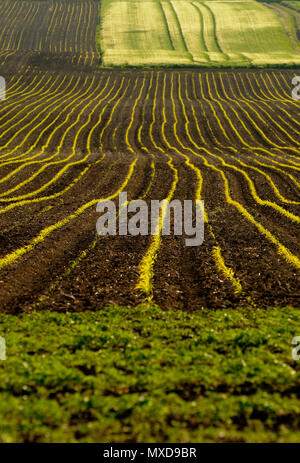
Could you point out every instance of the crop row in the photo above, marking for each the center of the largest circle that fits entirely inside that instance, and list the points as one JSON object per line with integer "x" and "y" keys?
{"x": 57, "y": 132}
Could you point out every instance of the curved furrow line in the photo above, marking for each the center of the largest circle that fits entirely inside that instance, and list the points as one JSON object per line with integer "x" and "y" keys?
{"x": 267, "y": 113}
{"x": 248, "y": 116}
{"x": 12, "y": 257}
{"x": 5, "y": 159}
{"x": 24, "y": 94}
{"x": 66, "y": 120}
{"x": 278, "y": 101}
{"x": 146, "y": 266}
{"x": 67, "y": 164}
{"x": 256, "y": 197}
{"x": 250, "y": 133}
{"x": 59, "y": 102}
{"x": 234, "y": 157}
{"x": 29, "y": 113}
{"x": 282, "y": 250}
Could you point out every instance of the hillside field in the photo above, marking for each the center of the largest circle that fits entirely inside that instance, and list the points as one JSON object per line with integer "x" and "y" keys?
{"x": 142, "y": 338}
{"x": 198, "y": 33}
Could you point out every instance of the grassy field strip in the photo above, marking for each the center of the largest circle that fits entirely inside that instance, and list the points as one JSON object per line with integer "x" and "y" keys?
{"x": 293, "y": 5}
{"x": 134, "y": 27}
{"x": 175, "y": 31}
{"x": 209, "y": 32}
{"x": 141, "y": 36}
{"x": 291, "y": 22}
{"x": 190, "y": 24}
{"x": 183, "y": 33}
{"x": 253, "y": 31}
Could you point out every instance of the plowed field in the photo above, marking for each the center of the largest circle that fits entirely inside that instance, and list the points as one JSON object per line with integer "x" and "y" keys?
{"x": 72, "y": 134}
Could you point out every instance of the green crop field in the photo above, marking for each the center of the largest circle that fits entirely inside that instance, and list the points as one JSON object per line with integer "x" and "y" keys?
{"x": 146, "y": 375}
{"x": 195, "y": 33}
{"x": 290, "y": 18}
